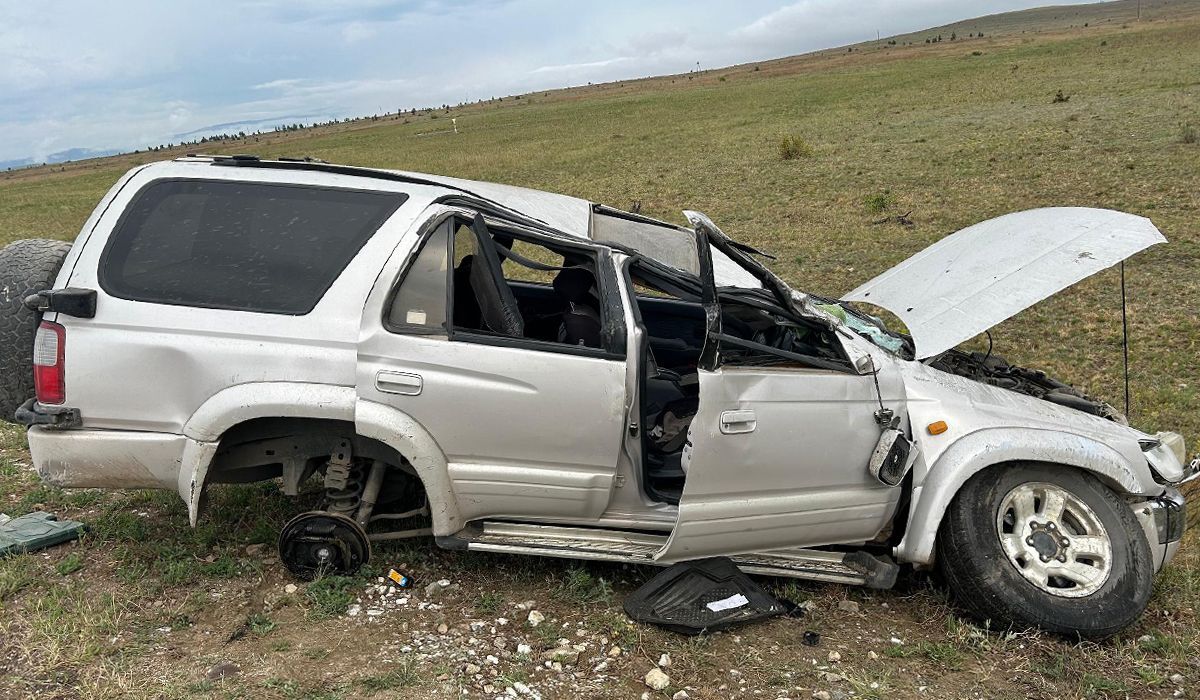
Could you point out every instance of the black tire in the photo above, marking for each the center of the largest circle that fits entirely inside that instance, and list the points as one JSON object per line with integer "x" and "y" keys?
{"x": 26, "y": 267}
{"x": 989, "y": 586}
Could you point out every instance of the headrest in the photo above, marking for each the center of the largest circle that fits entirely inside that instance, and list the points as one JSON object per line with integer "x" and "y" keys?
{"x": 574, "y": 283}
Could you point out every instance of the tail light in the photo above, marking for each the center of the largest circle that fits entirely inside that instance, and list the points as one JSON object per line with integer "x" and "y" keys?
{"x": 49, "y": 370}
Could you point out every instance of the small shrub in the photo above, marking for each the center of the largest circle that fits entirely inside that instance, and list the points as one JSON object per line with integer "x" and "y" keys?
{"x": 489, "y": 602}
{"x": 793, "y": 147}
{"x": 580, "y": 586}
{"x": 331, "y": 595}
{"x": 70, "y": 564}
{"x": 402, "y": 676}
{"x": 1060, "y": 97}
{"x": 878, "y": 203}
{"x": 260, "y": 624}
{"x": 1187, "y": 134}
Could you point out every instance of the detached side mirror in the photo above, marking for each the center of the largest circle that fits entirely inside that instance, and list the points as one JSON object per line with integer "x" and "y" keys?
{"x": 892, "y": 458}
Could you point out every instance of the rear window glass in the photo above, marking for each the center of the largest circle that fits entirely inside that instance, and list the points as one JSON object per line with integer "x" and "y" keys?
{"x": 237, "y": 245}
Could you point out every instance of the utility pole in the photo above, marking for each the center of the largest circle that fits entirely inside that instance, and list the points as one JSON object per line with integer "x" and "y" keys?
{"x": 1139, "y": 17}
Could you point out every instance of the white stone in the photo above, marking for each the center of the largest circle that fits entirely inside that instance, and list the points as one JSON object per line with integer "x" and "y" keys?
{"x": 536, "y": 618}
{"x": 848, "y": 606}
{"x": 664, "y": 661}
{"x": 822, "y": 695}
{"x": 614, "y": 652}
{"x": 834, "y": 657}
{"x": 681, "y": 695}
{"x": 657, "y": 680}
{"x": 524, "y": 649}
{"x": 290, "y": 588}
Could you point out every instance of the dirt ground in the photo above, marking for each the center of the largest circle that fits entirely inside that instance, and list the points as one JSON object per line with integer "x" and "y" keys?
{"x": 145, "y": 607}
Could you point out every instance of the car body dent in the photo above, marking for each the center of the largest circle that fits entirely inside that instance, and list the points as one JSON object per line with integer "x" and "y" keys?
{"x": 243, "y": 402}
{"x": 988, "y": 426}
{"x": 975, "y": 278}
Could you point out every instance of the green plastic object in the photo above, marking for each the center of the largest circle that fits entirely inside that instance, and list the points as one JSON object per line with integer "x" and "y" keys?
{"x": 35, "y": 531}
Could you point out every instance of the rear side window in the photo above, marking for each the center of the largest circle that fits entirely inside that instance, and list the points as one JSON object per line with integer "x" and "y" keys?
{"x": 238, "y": 245}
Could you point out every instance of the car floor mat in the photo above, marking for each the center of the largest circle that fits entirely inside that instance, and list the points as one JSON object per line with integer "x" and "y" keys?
{"x": 36, "y": 530}
{"x": 701, "y": 596}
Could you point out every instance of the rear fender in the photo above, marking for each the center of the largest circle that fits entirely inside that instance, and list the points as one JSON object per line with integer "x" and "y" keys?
{"x": 402, "y": 433}
{"x": 243, "y": 402}
{"x": 986, "y": 448}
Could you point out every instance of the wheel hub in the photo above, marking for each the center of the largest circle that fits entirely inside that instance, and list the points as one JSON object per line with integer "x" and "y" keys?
{"x": 1054, "y": 540}
{"x": 1044, "y": 543}
{"x": 318, "y": 542}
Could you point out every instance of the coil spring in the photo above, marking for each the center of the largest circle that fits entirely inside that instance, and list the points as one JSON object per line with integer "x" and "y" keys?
{"x": 343, "y": 485}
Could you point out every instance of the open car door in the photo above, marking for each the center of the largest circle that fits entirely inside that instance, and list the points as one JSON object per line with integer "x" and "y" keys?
{"x": 778, "y": 452}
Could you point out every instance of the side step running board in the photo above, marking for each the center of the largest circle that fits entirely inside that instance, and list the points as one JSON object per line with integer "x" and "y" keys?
{"x": 854, "y": 568}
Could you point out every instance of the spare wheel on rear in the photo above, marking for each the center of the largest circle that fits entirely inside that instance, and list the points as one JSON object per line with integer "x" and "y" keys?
{"x": 26, "y": 267}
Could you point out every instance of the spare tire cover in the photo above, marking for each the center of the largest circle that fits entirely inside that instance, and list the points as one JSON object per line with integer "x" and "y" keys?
{"x": 26, "y": 267}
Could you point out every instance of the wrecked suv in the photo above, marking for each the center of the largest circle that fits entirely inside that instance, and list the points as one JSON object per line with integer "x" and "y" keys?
{"x": 517, "y": 371}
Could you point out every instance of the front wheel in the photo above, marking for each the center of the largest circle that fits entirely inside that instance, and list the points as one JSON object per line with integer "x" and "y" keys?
{"x": 1043, "y": 546}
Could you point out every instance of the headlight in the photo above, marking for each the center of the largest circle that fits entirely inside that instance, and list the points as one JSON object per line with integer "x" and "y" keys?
{"x": 1174, "y": 442}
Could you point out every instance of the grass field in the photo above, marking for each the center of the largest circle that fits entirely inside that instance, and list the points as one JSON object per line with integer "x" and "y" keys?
{"x": 951, "y": 133}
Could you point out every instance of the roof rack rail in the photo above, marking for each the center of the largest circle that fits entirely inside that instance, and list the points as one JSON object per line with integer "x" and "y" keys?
{"x": 315, "y": 165}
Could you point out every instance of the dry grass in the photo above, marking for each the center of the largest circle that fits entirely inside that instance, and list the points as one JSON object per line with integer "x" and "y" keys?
{"x": 953, "y": 136}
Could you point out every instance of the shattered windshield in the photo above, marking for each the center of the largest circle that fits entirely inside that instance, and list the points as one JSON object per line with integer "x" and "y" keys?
{"x": 870, "y": 327}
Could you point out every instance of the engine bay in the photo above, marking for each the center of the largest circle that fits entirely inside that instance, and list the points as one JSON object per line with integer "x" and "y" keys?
{"x": 996, "y": 371}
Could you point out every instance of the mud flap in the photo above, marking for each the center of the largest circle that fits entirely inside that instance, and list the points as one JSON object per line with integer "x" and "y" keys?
{"x": 699, "y": 597}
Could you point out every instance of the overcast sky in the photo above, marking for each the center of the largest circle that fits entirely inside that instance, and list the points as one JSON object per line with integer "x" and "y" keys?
{"x": 131, "y": 73}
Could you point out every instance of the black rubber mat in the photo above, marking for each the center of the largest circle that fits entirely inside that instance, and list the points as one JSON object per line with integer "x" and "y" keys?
{"x": 696, "y": 597}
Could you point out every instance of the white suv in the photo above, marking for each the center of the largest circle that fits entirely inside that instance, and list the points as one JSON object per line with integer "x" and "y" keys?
{"x": 519, "y": 371}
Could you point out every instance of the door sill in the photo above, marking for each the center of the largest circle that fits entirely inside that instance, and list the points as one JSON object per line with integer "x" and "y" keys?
{"x": 593, "y": 544}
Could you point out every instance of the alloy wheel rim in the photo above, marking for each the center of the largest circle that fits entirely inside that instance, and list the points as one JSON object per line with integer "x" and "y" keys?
{"x": 1054, "y": 540}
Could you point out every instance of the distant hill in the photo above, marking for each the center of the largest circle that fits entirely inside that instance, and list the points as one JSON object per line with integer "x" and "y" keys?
{"x": 1052, "y": 18}
{"x": 1055, "y": 18}
{"x": 70, "y": 154}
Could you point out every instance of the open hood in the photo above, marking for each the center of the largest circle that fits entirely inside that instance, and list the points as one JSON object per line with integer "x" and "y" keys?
{"x": 972, "y": 280}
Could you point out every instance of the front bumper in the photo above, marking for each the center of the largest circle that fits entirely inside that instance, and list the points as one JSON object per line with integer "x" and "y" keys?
{"x": 1163, "y": 519}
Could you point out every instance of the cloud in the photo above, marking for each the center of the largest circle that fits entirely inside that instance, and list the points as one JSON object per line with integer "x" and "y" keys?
{"x": 571, "y": 68}
{"x": 76, "y": 73}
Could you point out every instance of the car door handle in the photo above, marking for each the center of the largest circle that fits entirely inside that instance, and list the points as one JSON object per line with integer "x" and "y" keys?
{"x": 399, "y": 383}
{"x": 734, "y": 422}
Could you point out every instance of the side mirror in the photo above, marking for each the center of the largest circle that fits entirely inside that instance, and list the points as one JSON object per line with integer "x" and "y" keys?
{"x": 865, "y": 365}
{"x": 892, "y": 458}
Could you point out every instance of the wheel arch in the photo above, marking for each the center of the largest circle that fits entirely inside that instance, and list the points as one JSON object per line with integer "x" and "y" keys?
{"x": 995, "y": 448}
{"x": 315, "y": 404}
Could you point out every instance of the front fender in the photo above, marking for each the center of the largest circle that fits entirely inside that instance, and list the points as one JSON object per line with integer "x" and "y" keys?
{"x": 979, "y": 450}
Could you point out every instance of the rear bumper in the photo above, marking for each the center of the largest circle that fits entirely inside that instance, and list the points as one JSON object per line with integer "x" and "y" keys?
{"x": 115, "y": 459}
{"x": 32, "y": 413}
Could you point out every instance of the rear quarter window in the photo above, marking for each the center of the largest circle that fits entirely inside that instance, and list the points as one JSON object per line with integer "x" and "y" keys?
{"x": 237, "y": 245}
